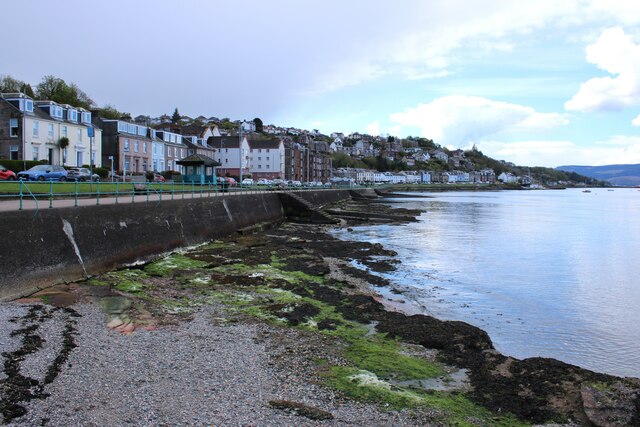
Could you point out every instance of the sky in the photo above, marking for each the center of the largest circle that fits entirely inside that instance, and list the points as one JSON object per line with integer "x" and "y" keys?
{"x": 542, "y": 83}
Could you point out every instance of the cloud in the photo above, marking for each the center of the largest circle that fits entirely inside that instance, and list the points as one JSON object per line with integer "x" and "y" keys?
{"x": 458, "y": 120}
{"x": 618, "y": 149}
{"x": 636, "y": 121}
{"x": 616, "y": 53}
{"x": 373, "y": 128}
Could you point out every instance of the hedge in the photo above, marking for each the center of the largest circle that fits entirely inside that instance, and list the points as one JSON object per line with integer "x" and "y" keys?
{"x": 18, "y": 165}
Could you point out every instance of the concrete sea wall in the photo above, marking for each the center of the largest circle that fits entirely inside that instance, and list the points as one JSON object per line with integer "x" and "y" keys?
{"x": 51, "y": 246}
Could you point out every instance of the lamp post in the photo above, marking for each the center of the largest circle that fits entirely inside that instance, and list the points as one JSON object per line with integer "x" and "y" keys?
{"x": 111, "y": 158}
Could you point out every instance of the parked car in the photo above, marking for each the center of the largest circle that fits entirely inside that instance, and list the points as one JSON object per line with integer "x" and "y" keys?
{"x": 44, "y": 173}
{"x": 263, "y": 181}
{"x": 82, "y": 174}
{"x": 158, "y": 178}
{"x": 232, "y": 182}
{"x": 6, "y": 174}
{"x": 247, "y": 181}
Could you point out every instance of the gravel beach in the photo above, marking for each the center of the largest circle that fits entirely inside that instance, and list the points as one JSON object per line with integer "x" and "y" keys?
{"x": 199, "y": 372}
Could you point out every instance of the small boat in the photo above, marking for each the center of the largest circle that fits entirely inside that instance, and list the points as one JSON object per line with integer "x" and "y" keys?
{"x": 586, "y": 191}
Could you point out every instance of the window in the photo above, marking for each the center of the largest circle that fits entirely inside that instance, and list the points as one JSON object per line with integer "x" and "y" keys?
{"x": 35, "y": 153}
{"x": 80, "y": 134}
{"x": 73, "y": 115}
{"x": 144, "y": 165}
{"x": 267, "y": 158}
{"x": 259, "y": 166}
{"x": 127, "y": 164}
{"x": 226, "y": 160}
{"x": 182, "y": 152}
{"x": 259, "y": 158}
{"x": 122, "y": 127}
{"x": 79, "y": 158}
{"x": 50, "y": 130}
{"x": 226, "y": 150}
{"x": 14, "y": 152}
{"x": 13, "y": 128}
{"x": 144, "y": 147}
{"x": 126, "y": 144}
{"x": 259, "y": 150}
{"x": 135, "y": 146}
{"x": 170, "y": 165}
{"x": 64, "y": 155}
{"x": 86, "y": 117}
{"x": 64, "y": 131}
{"x": 267, "y": 150}
{"x": 36, "y": 129}
{"x": 29, "y": 106}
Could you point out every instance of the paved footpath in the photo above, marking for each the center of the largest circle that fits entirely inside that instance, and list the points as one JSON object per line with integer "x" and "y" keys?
{"x": 44, "y": 203}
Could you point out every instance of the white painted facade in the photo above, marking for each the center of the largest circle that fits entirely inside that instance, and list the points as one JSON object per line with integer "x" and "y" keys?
{"x": 42, "y": 133}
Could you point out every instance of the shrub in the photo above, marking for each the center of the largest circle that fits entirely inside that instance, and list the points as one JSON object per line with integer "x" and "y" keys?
{"x": 19, "y": 165}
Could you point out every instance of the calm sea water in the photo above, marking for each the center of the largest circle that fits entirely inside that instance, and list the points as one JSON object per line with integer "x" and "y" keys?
{"x": 551, "y": 273}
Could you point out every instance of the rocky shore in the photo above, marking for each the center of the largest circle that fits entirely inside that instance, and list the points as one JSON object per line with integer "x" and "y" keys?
{"x": 275, "y": 328}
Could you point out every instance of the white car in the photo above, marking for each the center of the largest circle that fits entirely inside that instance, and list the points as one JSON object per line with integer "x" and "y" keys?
{"x": 264, "y": 181}
{"x": 247, "y": 181}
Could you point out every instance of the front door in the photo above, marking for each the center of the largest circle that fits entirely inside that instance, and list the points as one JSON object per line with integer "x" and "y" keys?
{"x": 50, "y": 156}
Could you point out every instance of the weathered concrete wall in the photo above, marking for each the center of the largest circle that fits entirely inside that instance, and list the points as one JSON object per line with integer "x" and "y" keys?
{"x": 51, "y": 246}
{"x": 323, "y": 197}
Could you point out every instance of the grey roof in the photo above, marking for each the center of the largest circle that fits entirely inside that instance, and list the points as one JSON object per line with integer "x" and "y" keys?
{"x": 223, "y": 142}
{"x": 198, "y": 159}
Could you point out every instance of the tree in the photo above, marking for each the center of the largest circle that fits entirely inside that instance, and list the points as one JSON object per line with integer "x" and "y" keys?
{"x": 27, "y": 90}
{"x": 258, "y": 124}
{"x": 175, "y": 117}
{"x": 10, "y": 85}
{"x": 56, "y": 89}
{"x": 110, "y": 112}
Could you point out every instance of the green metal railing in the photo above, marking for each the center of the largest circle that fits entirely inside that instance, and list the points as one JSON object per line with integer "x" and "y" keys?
{"x": 84, "y": 193}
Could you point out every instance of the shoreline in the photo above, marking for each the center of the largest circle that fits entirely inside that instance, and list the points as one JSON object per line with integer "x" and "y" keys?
{"x": 296, "y": 281}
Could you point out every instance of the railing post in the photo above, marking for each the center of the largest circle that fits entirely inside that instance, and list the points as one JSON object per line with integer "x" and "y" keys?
{"x": 133, "y": 192}
{"x": 173, "y": 187}
{"x": 50, "y": 193}
{"x": 160, "y": 191}
{"x": 98, "y": 193}
{"x": 193, "y": 190}
{"x": 75, "y": 204}
{"x": 21, "y": 195}
{"x": 116, "y": 192}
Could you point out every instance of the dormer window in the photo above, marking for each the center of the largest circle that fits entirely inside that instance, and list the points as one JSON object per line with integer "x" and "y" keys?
{"x": 86, "y": 117}
{"x": 29, "y": 106}
{"x": 73, "y": 115}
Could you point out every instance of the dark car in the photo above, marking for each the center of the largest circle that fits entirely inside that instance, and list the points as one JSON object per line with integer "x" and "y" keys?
{"x": 44, "y": 173}
{"x": 6, "y": 174}
{"x": 81, "y": 174}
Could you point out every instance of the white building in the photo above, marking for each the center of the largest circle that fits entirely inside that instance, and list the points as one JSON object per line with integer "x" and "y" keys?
{"x": 39, "y": 126}
{"x": 266, "y": 159}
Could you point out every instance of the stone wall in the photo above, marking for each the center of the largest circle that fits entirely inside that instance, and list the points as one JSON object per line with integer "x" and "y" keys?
{"x": 51, "y": 246}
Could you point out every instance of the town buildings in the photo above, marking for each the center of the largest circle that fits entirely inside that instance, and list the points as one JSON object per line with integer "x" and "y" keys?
{"x": 44, "y": 130}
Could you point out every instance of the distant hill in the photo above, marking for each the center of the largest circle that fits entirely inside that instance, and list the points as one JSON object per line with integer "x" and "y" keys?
{"x": 623, "y": 175}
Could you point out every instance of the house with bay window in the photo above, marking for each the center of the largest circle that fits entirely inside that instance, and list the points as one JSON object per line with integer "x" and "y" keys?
{"x": 32, "y": 130}
{"x": 128, "y": 143}
{"x": 175, "y": 149}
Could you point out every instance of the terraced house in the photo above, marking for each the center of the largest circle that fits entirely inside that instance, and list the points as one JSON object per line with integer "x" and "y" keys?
{"x": 33, "y": 130}
{"x": 128, "y": 143}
